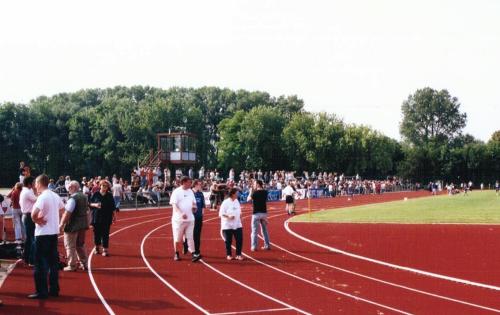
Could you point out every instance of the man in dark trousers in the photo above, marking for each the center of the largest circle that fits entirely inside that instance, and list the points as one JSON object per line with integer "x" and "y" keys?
{"x": 45, "y": 214}
{"x": 198, "y": 220}
{"x": 259, "y": 216}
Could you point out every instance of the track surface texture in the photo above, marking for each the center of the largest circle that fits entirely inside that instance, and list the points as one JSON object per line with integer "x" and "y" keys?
{"x": 313, "y": 268}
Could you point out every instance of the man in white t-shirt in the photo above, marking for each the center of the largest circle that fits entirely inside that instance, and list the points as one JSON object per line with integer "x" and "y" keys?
{"x": 45, "y": 214}
{"x": 183, "y": 203}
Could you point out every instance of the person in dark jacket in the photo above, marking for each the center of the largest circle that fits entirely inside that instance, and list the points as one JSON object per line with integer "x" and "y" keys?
{"x": 198, "y": 220}
{"x": 103, "y": 209}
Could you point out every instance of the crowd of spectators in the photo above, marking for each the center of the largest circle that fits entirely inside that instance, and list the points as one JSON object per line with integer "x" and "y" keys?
{"x": 150, "y": 185}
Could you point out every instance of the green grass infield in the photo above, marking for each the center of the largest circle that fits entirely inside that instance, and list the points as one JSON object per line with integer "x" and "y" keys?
{"x": 478, "y": 207}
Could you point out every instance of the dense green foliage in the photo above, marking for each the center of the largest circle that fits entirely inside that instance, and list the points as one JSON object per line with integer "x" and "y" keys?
{"x": 434, "y": 146}
{"x": 106, "y": 131}
{"x": 477, "y": 207}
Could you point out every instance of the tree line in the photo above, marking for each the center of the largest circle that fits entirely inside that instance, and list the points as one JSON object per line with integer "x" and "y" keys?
{"x": 106, "y": 131}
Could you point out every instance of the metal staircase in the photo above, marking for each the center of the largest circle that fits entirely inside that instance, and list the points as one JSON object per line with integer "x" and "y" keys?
{"x": 152, "y": 160}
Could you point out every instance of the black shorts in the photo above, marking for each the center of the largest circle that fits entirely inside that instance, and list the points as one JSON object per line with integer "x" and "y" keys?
{"x": 289, "y": 199}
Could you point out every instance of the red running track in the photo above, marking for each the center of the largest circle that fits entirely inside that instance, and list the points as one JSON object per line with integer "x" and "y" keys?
{"x": 295, "y": 277}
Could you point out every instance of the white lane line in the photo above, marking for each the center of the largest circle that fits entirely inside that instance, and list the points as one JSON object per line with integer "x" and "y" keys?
{"x": 91, "y": 276}
{"x": 357, "y": 298}
{"x": 383, "y": 263}
{"x": 254, "y": 290}
{"x": 383, "y": 281}
{"x": 185, "y": 298}
{"x": 121, "y": 268}
{"x": 212, "y": 268}
{"x": 255, "y": 311}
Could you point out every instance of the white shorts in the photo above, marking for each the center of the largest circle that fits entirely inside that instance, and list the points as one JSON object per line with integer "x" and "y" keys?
{"x": 182, "y": 229}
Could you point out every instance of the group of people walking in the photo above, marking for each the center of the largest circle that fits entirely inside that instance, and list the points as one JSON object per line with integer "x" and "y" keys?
{"x": 188, "y": 204}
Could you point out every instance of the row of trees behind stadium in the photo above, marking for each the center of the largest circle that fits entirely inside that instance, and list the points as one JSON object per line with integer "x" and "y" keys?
{"x": 106, "y": 131}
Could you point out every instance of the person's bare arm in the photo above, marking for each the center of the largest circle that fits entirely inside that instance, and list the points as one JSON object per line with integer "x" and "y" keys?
{"x": 36, "y": 216}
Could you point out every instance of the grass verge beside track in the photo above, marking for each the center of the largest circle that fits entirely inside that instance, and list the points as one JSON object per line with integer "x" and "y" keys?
{"x": 479, "y": 207}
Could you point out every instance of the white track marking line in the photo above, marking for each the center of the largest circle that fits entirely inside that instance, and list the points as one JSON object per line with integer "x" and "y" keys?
{"x": 255, "y": 311}
{"x": 254, "y": 290}
{"x": 357, "y": 298}
{"x": 383, "y": 263}
{"x": 383, "y": 281}
{"x": 151, "y": 269}
{"x": 212, "y": 268}
{"x": 91, "y": 276}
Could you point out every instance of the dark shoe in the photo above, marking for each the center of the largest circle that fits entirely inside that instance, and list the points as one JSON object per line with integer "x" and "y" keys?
{"x": 54, "y": 294}
{"x": 177, "y": 257}
{"x": 196, "y": 257}
{"x": 37, "y": 296}
{"x": 266, "y": 248}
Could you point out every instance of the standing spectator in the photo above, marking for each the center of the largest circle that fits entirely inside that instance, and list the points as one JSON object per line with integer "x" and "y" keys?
{"x": 178, "y": 173}
{"x": 14, "y": 196}
{"x": 45, "y": 214}
{"x": 21, "y": 171}
{"x": 183, "y": 203}
{"x": 103, "y": 216}
{"x": 198, "y": 220}
{"x": 191, "y": 173}
{"x": 117, "y": 191}
{"x": 74, "y": 224}
{"x": 259, "y": 216}
{"x": 213, "y": 196}
{"x": 27, "y": 171}
{"x": 201, "y": 173}
{"x": 230, "y": 214}
{"x": 166, "y": 174}
{"x": 289, "y": 193}
{"x": 150, "y": 175}
{"x": 26, "y": 201}
{"x": 66, "y": 183}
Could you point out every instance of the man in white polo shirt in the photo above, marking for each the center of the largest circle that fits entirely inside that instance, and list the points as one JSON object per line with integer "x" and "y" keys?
{"x": 183, "y": 203}
{"x": 45, "y": 214}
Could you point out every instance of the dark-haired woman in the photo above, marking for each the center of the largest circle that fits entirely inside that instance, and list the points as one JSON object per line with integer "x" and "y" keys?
{"x": 103, "y": 209}
{"x": 230, "y": 214}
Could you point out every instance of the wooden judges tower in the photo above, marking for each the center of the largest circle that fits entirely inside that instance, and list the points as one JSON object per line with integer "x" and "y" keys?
{"x": 175, "y": 149}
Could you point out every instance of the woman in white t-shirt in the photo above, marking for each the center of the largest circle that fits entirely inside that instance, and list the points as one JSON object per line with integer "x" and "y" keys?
{"x": 230, "y": 214}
